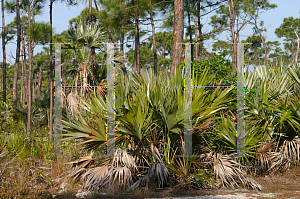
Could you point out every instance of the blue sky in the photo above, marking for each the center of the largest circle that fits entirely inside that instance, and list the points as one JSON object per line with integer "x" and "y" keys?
{"x": 62, "y": 14}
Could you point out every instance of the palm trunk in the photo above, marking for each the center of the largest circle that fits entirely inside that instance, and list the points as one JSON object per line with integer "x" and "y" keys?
{"x": 15, "y": 98}
{"x": 154, "y": 40}
{"x": 51, "y": 78}
{"x": 3, "y": 53}
{"x": 178, "y": 33}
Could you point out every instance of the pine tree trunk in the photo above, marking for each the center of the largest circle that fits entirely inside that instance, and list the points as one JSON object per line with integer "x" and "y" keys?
{"x": 137, "y": 46}
{"x": 196, "y": 38}
{"x": 22, "y": 81}
{"x": 33, "y": 87}
{"x": 30, "y": 58}
{"x": 51, "y": 78}
{"x": 191, "y": 36}
{"x": 233, "y": 37}
{"x": 3, "y": 53}
{"x": 15, "y": 82}
{"x": 123, "y": 68}
{"x": 90, "y": 11}
{"x": 40, "y": 82}
{"x": 24, "y": 70}
{"x": 154, "y": 39}
{"x": 177, "y": 33}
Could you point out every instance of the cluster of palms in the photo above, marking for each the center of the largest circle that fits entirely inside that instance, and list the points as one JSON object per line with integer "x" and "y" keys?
{"x": 149, "y": 123}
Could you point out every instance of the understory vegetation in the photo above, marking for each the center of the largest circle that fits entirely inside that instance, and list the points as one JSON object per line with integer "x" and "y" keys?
{"x": 105, "y": 114}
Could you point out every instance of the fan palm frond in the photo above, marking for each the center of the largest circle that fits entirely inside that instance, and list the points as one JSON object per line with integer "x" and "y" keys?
{"x": 226, "y": 170}
{"x": 291, "y": 149}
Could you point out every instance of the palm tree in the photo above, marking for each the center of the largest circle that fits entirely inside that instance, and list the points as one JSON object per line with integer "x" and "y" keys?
{"x": 149, "y": 113}
{"x": 87, "y": 37}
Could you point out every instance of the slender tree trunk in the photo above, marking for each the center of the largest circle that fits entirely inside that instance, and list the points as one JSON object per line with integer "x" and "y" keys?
{"x": 33, "y": 87}
{"x": 298, "y": 42}
{"x": 51, "y": 78}
{"x": 94, "y": 65}
{"x": 15, "y": 82}
{"x": 154, "y": 39}
{"x": 233, "y": 38}
{"x": 22, "y": 81}
{"x": 40, "y": 82}
{"x": 123, "y": 68}
{"x": 30, "y": 58}
{"x": 196, "y": 38}
{"x": 90, "y": 11}
{"x": 200, "y": 32}
{"x": 292, "y": 56}
{"x": 137, "y": 45}
{"x": 24, "y": 70}
{"x": 177, "y": 33}
{"x": 3, "y": 53}
{"x": 191, "y": 36}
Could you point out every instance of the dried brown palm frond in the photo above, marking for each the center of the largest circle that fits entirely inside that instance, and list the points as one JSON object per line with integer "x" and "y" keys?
{"x": 79, "y": 167}
{"x": 85, "y": 161}
{"x": 118, "y": 174}
{"x": 227, "y": 172}
{"x": 202, "y": 126}
{"x": 101, "y": 90}
{"x": 291, "y": 149}
{"x": 96, "y": 178}
{"x": 120, "y": 177}
{"x": 266, "y": 147}
{"x": 279, "y": 162}
{"x": 261, "y": 162}
{"x": 121, "y": 157}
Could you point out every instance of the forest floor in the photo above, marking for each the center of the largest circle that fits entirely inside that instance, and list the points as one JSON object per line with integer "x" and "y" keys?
{"x": 43, "y": 182}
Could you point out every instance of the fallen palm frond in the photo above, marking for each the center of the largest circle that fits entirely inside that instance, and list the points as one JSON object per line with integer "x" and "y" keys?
{"x": 279, "y": 162}
{"x": 96, "y": 178}
{"x": 121, "y": 157}
{"x": 227, "y": 172}
{"x": 79, "y": 167}
{"x": 118, "y": 174}
{"x": 291, "y": 149}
